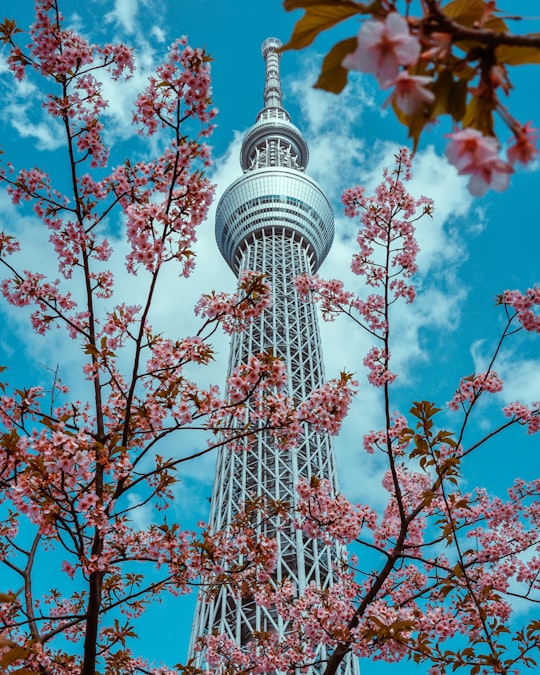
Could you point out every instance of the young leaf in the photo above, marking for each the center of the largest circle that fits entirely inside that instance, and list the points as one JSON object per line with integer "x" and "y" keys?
{"x": 319, "y": 16}
{"x": 516, "y": 56}
{"x": 333, "y": 76}
{"x": 470, "y": 12}
{"x": 479, "y": 116}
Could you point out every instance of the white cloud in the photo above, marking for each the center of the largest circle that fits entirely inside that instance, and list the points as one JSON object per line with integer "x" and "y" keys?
{"x": 521, "y": 379}
{"x": 21, "y": 111}
{"x": 124, "y": 14}
{"x": 322, "y": 110}
{"x": 141, "y": 515}
{"x": 158, "y": 33}
{"x": 520, "y": 373}
{"x": 330, "y": 125}
{"x": 121, "y": 94}
{"x": 48, "y": 133}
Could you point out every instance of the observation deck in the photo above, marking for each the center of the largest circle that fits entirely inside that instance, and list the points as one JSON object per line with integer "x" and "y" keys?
{"x": 271, "y": 200}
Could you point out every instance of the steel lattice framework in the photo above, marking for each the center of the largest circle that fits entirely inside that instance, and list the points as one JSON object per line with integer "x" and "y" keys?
{"x": 277, "y": 220}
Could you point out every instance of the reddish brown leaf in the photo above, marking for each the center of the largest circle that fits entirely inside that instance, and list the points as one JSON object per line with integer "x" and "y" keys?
{"x": 12, "y": 655}
{"x": 319, "y": 17}
{"x": 470, "y": 13}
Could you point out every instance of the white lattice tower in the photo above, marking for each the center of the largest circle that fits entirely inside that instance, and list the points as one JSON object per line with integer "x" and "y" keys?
{"x": 277, "y": 220}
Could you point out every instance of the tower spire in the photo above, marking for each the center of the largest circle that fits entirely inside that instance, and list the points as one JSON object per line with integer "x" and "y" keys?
{"x": 272, "y": 85}
{"x": 273, "y": 141}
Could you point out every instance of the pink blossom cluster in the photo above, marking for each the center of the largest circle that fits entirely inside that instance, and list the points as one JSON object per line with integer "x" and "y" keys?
{"x": 68, "y": 59}
{"x": 330, "y": 294}
{"x": 504, "y": 543}
{"x": 8, "y": 244}
{"x": 72, "y": 239}
{"x": 410, "y": 92}
{"x": 247, "y": 377}
{"x": 524, "y": 304}
{"x": 184, "y": 77}
{"x": 407, "y": 489}
{"x": 523, "y": 149}
{"x": 389, "y": 48}
{"x": 376, "y": 360}
{"x": 52, "y": 303}
{"x": 388, "y": 440}
{"x": 61, "y": 51}
{"x": 477, "y": 156}
{"x": 529, "y": 416}
{"x": 164, "y": 201}
{"x": 326, "y": 408}
{"x": 319, "y": 616}
{"x": 329, "y": 517}
{"x": 239, "y": 547}
{"x": 386, "y": 224}
{"x": 235, "y": 311}
{"x": 324, "y": 613}
{"x": 256, "y": 402}
{"x": 118, "y": 324}
{"x": 386, "y": 220}
{"x": 34, "y": 183}
{"x": 471, "y": 387}
{"x": 265, "y": 653}
{"x": 384, "y": 47}
{"x": 334, "y": 300}
{"x": 62, "y": 476}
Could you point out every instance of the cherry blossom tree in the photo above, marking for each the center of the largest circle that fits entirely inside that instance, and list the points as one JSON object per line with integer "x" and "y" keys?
{"x": 438, "y": 58}
{"x": 73, "y": 470}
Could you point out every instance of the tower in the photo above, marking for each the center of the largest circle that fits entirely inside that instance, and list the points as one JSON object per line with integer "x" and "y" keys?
{"x": 274, "y": 219}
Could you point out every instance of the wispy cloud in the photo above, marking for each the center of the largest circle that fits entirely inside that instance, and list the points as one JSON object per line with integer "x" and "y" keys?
{"x": 22, "y": 112}
{"x": 124, "y": 14}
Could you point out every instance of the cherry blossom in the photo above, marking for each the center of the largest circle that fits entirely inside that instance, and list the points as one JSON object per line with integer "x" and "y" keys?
{"x": 330, "y": 517}
{"x": 376, "y": 360}
{"x": 470, "y": 388}
{"x": 325, "y": 408}
{"x": 386, "y": 224}
{"x": 409, "y": 93}
{"x": 528, "y": 416}
{"x": 524, "y": 148}
{"x": 237, "y": 310}
{"x": 524, "y": 305}
{"x": 384, "y": 46}
{"x": 477, "y": 155}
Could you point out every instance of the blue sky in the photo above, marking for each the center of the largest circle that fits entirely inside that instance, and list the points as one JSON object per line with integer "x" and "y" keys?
{"x": 470, "y": 251}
